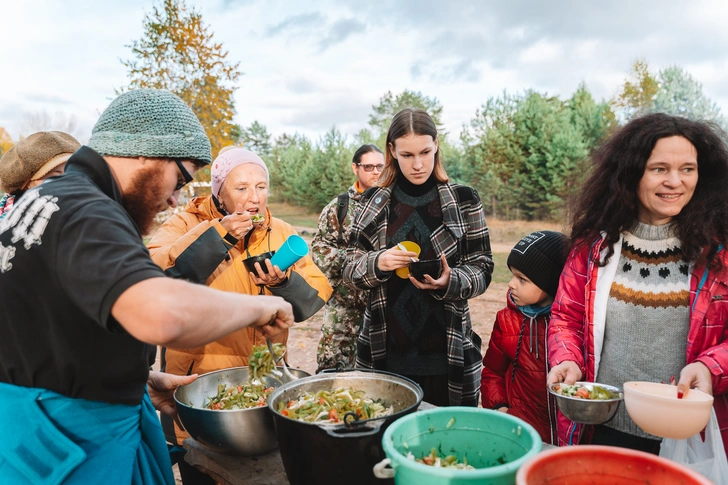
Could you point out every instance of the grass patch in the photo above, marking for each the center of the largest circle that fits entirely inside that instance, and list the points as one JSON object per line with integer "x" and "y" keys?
{"x": 294, "y": 215}
{"x": 510, "y": 232}
{"x": 501, "y": 273}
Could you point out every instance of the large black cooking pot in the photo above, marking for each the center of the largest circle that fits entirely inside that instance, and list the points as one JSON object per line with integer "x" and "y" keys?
{"x": 322, "y": 454}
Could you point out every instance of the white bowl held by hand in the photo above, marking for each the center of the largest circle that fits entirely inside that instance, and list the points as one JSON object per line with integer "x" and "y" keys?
{"x": 655, "y": 408}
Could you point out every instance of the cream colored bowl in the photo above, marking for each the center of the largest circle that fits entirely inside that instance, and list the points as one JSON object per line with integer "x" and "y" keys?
{"x": 656, "y": 409}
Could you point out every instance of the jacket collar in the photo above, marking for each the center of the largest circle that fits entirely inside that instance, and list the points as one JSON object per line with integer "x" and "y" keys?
{"x": 354, "y": 193}
{"x": 452, "y": 218}
{"x": 88, "y": 162}
{"x": 700, "y": 273}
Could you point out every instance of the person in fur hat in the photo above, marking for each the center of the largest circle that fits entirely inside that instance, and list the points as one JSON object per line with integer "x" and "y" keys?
{"x": 32, "y": 160}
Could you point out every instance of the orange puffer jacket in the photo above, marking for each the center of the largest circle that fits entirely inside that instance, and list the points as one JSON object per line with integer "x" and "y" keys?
{"x": 191, "y": 245}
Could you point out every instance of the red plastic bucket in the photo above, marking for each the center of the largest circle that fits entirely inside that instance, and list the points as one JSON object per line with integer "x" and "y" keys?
{"x": 604, "y": 465}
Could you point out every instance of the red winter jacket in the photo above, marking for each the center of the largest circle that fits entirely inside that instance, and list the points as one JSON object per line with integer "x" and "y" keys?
{"x": 572, "y": 327}
{"x": 523, "y": 392}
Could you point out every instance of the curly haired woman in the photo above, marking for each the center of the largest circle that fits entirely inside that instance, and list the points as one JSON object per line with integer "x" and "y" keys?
{"x": 644, "y": 293}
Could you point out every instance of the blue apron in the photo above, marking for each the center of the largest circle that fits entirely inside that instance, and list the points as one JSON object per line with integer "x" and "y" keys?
{"x": 47, "y": 438}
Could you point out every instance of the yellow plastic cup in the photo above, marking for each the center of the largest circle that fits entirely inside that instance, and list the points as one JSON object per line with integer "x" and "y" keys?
{"x": 410, "y": 246}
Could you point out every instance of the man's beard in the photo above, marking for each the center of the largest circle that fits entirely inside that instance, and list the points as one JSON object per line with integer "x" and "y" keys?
{"x": 142, "y": 201}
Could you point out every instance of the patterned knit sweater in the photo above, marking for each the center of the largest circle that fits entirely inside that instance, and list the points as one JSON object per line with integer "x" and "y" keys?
{"x": 647, "y": 315}
{"x": 416, "y": 329}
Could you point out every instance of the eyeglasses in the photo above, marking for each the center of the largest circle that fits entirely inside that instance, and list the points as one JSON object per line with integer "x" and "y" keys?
{"x": 370, "y": 168}
{"x": 185, "y": 175}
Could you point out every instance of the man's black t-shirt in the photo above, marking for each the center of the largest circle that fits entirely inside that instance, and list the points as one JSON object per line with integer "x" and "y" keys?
{"x": 68, "y": 250}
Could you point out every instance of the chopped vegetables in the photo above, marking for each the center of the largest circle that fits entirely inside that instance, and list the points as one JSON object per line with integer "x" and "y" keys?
{"x": 261, "y": 363}
{"x": 332, "y": 405}
{"x": 449, "y": 461}
{"x": 252, "y": 393}
{"x": 256, "y": 218}
{"x": 583, "y": 392}
{"x": 239, "y": 397}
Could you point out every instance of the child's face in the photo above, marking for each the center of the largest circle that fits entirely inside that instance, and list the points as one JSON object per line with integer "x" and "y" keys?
{"x": 524, "y": 292}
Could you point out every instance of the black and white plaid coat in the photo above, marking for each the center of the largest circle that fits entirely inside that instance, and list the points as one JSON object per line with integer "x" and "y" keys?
{"x": 463, "y": 238}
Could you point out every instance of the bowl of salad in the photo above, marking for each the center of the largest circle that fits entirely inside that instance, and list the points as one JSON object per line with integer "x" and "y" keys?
{"x": 587, "y": 402}
{"x": 227, "y": 410}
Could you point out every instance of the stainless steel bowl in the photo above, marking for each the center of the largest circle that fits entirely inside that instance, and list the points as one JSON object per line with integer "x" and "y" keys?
{"x": 587, "y": 411}
{"x": 243, "y": 432}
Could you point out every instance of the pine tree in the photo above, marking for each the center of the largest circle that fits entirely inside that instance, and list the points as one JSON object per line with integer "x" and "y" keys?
{"x": 681, "y": 94}
{"x": 389, "y": 105}
{"x": 256, "y": 139}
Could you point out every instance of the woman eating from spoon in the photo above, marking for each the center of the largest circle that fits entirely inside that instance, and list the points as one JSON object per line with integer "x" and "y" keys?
{"x": 207, "y": 243}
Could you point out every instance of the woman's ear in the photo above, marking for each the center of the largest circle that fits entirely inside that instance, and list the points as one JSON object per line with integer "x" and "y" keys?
{"x": 390, "y": 147}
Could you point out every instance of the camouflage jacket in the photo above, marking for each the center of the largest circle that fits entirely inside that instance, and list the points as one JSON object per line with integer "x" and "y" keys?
{"x": 329, "y": 255}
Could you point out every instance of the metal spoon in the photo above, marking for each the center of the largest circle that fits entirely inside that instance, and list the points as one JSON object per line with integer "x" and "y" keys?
{"x": 402, "y": 248}
{"x": 286, "y": 372}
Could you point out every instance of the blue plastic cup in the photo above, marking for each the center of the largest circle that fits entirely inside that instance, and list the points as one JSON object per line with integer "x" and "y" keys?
{"x": 293, "y": 249}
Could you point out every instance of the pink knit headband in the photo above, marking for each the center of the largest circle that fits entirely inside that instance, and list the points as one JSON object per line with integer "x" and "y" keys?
{"x": 227, "y": 160}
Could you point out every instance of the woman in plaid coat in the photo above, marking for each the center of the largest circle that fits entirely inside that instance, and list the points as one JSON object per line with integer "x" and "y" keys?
{"x": 420, "y": 329}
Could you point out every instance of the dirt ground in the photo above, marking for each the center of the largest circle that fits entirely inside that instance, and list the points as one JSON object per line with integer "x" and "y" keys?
{"x": 304, "y": 337}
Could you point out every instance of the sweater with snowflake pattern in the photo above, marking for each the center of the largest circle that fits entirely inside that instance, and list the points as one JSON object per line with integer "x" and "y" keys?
{"x": 647, "y": 318}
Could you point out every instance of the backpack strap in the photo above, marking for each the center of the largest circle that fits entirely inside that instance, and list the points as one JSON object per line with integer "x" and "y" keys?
{"x": 343, "y": 207}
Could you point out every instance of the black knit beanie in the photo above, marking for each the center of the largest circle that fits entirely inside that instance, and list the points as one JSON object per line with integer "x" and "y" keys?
{"x": 540, "y": 256}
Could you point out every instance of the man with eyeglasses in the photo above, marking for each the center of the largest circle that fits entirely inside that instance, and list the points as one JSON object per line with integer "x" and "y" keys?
{"x": 344, "y": 311}
{"x": 83, "y": 306}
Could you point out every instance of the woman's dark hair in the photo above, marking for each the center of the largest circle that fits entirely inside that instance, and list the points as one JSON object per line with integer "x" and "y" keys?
{"x": 407, "y": 122}
{"x": 363, "y": 150}
{"x": 608, "y": 201}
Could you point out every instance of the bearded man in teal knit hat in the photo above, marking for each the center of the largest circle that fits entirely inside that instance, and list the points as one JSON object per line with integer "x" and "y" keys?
{"x": 83, "y": 307}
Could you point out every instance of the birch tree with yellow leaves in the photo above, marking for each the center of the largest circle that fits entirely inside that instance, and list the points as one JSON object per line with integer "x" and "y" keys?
{"x": 177, "y": 52}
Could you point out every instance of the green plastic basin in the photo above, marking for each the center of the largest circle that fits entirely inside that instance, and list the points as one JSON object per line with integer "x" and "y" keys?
{"x": 495, "y": 443}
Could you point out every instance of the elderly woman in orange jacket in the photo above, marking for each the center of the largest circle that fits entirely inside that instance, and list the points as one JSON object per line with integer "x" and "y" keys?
{"x": 207, "y": 243}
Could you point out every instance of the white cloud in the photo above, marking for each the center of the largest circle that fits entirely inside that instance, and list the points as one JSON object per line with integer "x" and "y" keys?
{"x": 311, "y": 65}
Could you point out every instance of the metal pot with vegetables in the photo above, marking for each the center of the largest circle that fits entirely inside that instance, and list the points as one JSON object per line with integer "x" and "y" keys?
{"x": 330, "y": 426}
{"x": 227, "y": 410}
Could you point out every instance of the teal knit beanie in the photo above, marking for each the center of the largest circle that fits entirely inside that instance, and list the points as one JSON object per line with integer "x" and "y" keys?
{"x": 150, "y": 123}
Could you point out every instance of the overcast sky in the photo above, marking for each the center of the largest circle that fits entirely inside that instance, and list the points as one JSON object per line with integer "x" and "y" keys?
{"x": 310, "y": 65}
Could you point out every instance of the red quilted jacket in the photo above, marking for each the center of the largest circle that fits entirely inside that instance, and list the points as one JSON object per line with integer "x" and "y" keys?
{"x": 571, "y": 330}
{"x": 523, "y": 391}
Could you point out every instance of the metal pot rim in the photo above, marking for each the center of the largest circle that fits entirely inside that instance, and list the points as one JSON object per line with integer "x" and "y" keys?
{"x": 207, "y": 375}
{"x": 613, "y": 389}
{"x": 367, "y": 373}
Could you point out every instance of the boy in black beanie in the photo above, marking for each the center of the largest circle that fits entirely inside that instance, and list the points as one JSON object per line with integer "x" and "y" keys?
{"x": 514, "y": 366}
